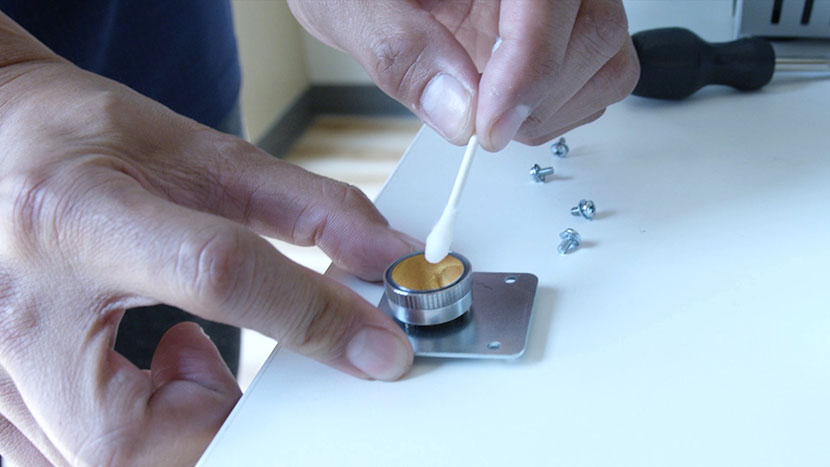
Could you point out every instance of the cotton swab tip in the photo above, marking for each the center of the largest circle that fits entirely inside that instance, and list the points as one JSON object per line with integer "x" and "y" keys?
{"x": 439, "y": 240}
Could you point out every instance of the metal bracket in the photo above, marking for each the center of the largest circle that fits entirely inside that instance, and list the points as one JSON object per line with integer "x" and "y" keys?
{"x": 497, "y": 325}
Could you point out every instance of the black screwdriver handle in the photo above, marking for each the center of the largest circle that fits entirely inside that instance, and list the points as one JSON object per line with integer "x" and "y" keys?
{"x": 675, "y": 63}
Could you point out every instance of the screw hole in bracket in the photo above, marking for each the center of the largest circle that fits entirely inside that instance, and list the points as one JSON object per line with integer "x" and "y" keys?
{"x": 494, "y": 345}
{"x": 510, "y": 280}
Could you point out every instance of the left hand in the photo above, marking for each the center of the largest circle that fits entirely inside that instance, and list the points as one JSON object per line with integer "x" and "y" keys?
{"x": 110, "y": 201}
{"x": 560, "y": 63}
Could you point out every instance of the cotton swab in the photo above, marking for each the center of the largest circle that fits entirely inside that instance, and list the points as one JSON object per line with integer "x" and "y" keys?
{"x": 440, "y": 238}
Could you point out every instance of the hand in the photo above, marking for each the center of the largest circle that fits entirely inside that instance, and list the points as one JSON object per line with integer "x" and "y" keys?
{"x": 559, "y": 65}
{"x": 110, "y": 201}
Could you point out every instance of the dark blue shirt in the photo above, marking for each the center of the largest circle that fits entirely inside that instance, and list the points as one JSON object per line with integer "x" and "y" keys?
{"x": 181, "y": 53}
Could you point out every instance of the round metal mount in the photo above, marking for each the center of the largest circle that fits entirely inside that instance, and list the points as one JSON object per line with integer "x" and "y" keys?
{"x": 426, "y": 294}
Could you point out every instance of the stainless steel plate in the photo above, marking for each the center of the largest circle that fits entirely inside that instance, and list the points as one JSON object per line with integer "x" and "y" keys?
{"x": 496, "y": 326}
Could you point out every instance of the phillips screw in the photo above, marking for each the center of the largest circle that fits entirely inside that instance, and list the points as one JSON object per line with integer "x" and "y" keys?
{"x": 585, "y": 209}
{"x": 570, "y": 241}
{"x": 539, "y": 174}
{"x": 559, "y": 148}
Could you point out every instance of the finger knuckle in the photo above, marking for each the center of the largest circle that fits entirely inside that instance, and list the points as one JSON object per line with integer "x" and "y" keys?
{"x": 350, "y": 197}
{"x": 41, "y": 209}
{"x": 106, "y": 103}
{"x": 10, "y": 439}
{"x": 627, "y": 72}
{"x": 322, "y": 334}
{"x": 91, "y": 114}
{"x": 114, "y": 447}
{"x": 545, "y": 65}
{"x": 205, "y": 184}
{"x": 19, "y": 318}
{"x": 7, "y": 388}
{"x": 606, "y": 28}
{"x": 396, "y": 60}
{"x": 350, "y": 204}
{"x": 24, "y": 202}
{"x": 619, "y": 77}
{"x": 345, "y": 202}
{"x": 106, "y": 111}
{"x": 215, "y": 264}
{"x": 533, "y": 126}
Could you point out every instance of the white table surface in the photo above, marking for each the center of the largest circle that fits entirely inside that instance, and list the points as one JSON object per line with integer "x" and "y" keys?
{"x": 692, "y": 328}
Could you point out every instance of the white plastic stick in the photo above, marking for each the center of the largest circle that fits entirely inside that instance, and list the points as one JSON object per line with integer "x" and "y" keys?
{"x": 439, "y": 240}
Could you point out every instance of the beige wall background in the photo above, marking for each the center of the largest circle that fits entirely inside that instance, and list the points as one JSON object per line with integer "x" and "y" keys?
{"x": 331, "y": 66}
{"x": 280, "y": 60}
{"x": 273, "y": 61}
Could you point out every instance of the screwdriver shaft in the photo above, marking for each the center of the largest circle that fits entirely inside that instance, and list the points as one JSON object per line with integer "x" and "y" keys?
{"x": 802, "y": 64}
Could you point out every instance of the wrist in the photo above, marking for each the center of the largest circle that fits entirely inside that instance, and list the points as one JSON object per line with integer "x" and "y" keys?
{"x": 17, "y": 46}
{"x": 21, "y": 57}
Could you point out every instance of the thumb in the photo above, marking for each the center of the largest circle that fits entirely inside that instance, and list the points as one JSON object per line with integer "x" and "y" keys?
{"x": 193, "y": 393}
{"x": 186, "y": 353}
{"x": 408, "y": 53}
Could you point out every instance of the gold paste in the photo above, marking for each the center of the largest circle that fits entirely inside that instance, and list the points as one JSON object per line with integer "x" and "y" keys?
{"x": 416, "y": 273}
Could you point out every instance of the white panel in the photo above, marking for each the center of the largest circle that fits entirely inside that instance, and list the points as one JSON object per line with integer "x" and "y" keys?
{"x": 755, "y": 19}
{"x": 691, "y": 329}
{"x": 710, "y": 19}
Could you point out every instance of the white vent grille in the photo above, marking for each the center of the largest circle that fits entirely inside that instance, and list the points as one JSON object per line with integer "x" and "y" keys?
{"x": 783, "y": 18}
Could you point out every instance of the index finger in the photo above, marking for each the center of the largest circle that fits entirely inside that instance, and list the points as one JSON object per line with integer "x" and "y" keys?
{"x": 223, "y": 175}
{"x": 549, "y": 51}
{"x": 220, "y": 270}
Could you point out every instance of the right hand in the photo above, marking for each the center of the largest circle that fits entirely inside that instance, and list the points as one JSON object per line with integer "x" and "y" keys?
{"x": 559, "y": 65}
{"x": 110, "y": 201}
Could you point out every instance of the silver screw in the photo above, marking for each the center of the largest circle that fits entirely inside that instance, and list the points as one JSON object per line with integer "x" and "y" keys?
{"x": 570, "y": 241}
{"x": 559, "y": 148}
{"x": 539, "y": 174}
{"x": 585, "y": 209}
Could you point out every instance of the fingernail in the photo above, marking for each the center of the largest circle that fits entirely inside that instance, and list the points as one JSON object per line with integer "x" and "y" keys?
{"x": 446, "y": 102}
{"x": 201, "y": 329}
{"x": 496, "y": 45}
{"x": 507, "y": 126}
{"x": 379, "y": 353}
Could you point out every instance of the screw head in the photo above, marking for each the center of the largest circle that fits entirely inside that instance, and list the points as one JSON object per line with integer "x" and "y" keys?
{"x": 540, "y": 173}
{"x": 586, "y": 209}
{"x": 570, "y": 241}
{"x": 570, "y": 234}
{"x": 559, "y": 148}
